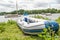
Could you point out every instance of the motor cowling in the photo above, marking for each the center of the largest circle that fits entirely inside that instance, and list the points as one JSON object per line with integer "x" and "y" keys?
{"x": 52, "y": 24}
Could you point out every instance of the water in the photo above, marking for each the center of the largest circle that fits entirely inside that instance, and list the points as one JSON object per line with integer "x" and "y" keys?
{"x": 53, "y": 17}
{"x": 3, "y": 19}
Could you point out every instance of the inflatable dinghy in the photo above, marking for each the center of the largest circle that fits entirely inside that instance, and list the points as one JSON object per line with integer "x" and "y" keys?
{"x": 31, "y": 25}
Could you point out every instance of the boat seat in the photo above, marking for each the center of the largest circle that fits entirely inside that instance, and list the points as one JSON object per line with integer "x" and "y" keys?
{"x": 30, "y": 21}
{"x": 25, "y": 19}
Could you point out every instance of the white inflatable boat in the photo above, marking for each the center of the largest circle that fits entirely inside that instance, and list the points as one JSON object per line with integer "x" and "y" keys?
{"x": 31, "y": 25}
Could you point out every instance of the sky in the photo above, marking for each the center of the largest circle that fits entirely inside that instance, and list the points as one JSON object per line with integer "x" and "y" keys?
{"x": 10, "y": 5}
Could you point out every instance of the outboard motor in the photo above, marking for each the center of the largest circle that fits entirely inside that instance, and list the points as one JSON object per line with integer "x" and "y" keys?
{"x": 52, "y": 24}
{"x": 47, "y": 24}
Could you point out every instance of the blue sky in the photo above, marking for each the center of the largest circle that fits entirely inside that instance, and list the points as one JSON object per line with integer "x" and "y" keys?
{"x": 10, "y": 5}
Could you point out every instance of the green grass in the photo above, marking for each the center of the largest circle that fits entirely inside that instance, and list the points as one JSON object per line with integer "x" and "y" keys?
{"x": 10, "y": 31}
{"x": 58, "y": 20}
{"x": 46, "y": 35}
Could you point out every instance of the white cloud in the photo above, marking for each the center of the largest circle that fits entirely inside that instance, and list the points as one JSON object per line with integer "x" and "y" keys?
{"x": 57, "y": 6}
{"x": 9, "y": 5}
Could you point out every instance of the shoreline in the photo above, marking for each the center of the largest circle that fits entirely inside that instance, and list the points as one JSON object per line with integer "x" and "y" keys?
{"x": 52, "y": 17}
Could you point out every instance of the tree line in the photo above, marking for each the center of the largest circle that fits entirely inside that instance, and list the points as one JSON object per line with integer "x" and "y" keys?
{"x": 21, "y": 11}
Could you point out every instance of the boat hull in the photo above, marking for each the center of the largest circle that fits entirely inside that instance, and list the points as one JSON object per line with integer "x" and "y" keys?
{"x": 30, "y": 31}
{"x": 35, "y": 26}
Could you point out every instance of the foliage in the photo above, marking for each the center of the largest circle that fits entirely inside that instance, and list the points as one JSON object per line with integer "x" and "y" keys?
{"x": 13, "y": 32}
{"x": 40, "y": 17}
{"x": 58, "y": 20}
{"x": 48, "y": 35}
{"x": 21, "y": 11}
{"x": 37, "y": 16}
{"x": 2, "y": 13}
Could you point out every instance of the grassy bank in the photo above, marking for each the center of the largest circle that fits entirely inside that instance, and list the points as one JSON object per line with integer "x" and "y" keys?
{"x": 10, "y": 31}
{"x": 58, "y": 20}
